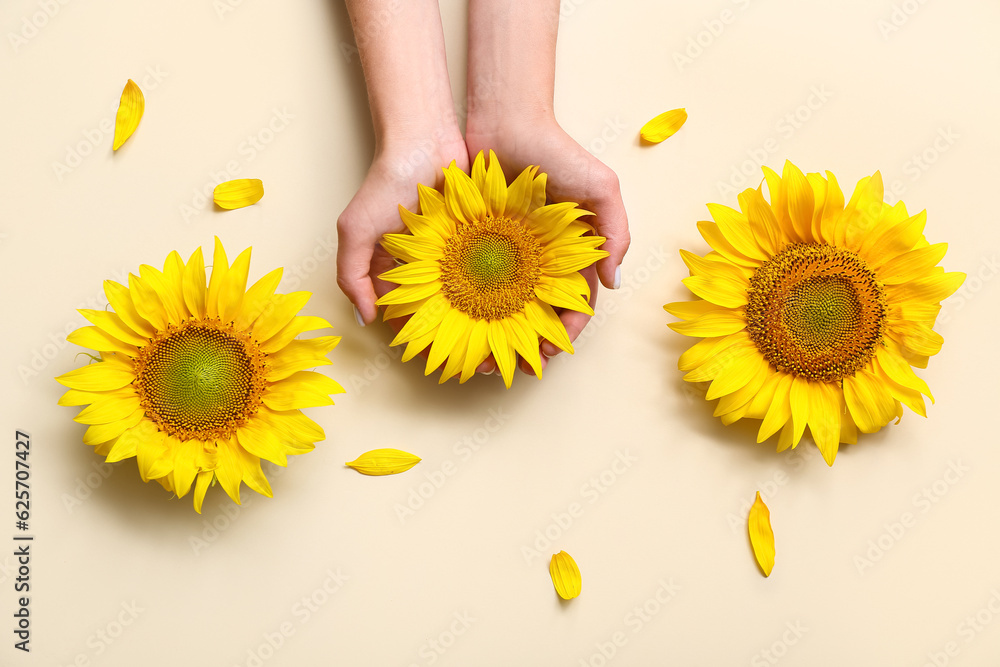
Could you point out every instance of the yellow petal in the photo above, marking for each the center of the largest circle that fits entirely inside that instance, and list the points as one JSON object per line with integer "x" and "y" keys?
{"x": 201, "y": 488}
{"x": 663, "y": 126}
{"x": 761, "y": 535}
{"x": 495, "y": 187}
{"x": 503, "y": 351}
{"x": 130, "y": 109}
{"x": 544, "y": 320}
{"x": 565, "y": 575}
{"x": 238, "y": 193}
{"x": 194, "y": 284}
{"x": 95, "y": 338}
{"x": 384, "y": 462}
{"x": 461, "y": 196}
{"x": 96, "y": 377}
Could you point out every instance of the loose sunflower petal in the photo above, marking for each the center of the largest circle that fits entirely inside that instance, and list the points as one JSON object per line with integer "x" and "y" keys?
{"x": 761, "y": 535}
{"x": 238, "y": 193}
{"x": 130, "y": 109}
{"x": 663, "y": 126}
{"x": 565, "y": 574}
{"x": 384, "y": 462}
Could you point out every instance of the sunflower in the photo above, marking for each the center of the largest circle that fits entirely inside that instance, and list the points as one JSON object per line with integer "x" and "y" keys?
{"x": 813, "y": 313}
{"x": 486, "y": 266}
{"x": 201, "y": 383}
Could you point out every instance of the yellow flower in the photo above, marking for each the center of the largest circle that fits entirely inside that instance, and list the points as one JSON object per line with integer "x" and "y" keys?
{"x": 238, "y": 193}
{"x": 486, "y": 264}
{"x": 663, "y": 126}
{"x": 130, "y": 109}
{"x": 201, "y": 383}
{"x": 811, "y": 313}
{"x": 384, "y": 462}
{"x": 761, "y": 535}
{"x": 565, "y": 575}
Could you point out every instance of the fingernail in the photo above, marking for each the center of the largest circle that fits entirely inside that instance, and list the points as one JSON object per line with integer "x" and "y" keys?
{"x": 357, "y": 316}
{"x": 618, "y": 277}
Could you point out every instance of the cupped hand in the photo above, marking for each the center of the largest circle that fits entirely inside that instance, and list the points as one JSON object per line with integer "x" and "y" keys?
{"x": 391, "y": 180}
{"x": 573, "y": 175}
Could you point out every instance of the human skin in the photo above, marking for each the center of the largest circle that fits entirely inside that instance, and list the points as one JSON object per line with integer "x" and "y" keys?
{"x": 511, "y": 77}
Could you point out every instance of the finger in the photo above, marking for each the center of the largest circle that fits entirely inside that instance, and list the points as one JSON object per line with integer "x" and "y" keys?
{"x": 354, "y": 256}
{"x": 611, "y": 222}
{"x": 488, "y": 366}
{"x": 574, "y": 321}
{"x": 526, "y": 367}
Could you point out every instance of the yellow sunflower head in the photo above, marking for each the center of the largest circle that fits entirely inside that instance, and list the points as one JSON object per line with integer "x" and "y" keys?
{"x": 812, "y": 312}
{"x": 200, "y": 382}
{"x": 486, "y": 265}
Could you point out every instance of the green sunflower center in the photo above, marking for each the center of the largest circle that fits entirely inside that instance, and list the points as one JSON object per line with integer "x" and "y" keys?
{"x": 200, "y": 380}
{"x": 490, "y": 268}
{"x": 816, "y": 311}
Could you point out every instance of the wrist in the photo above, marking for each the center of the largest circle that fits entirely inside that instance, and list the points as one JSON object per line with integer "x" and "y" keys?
{"x": 496, "y": 122}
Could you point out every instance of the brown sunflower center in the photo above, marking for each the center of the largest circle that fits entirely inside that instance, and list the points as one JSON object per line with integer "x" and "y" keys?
{"x": 490, "y": 268}
{"x": 816, "y": 311}
{"x": 200, "y": 380}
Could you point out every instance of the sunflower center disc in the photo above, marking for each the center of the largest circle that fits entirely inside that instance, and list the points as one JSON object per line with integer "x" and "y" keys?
{"x": 201, "y": 380}
{"x": 816, "y": 311}
{"x": 490, "y": 268}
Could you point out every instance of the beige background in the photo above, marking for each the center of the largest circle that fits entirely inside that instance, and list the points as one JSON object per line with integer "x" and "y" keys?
{"x": 455, "y": 582}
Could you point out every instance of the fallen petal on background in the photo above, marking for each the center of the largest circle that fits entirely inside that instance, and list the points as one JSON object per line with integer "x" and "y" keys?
{"x": 761, "y": 535}
{"x": 384, "y": 462}
{"x": 130, "y": 110}
{"x": 565, "y": 575}
{"x": 239, "y": 193}
{"x": 663, "y": 126}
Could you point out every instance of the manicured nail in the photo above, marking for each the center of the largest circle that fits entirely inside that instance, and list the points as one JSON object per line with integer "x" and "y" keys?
{"x": 618, "y": 277}
{"x": 357, "y": 316}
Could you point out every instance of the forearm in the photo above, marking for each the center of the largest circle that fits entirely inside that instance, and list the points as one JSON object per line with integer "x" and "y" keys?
{"x": 512, "y": 52}
{"x": 402, "y": 52}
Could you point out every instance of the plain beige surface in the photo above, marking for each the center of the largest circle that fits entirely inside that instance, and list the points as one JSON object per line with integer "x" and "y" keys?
{"x": 610, "y": 457}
